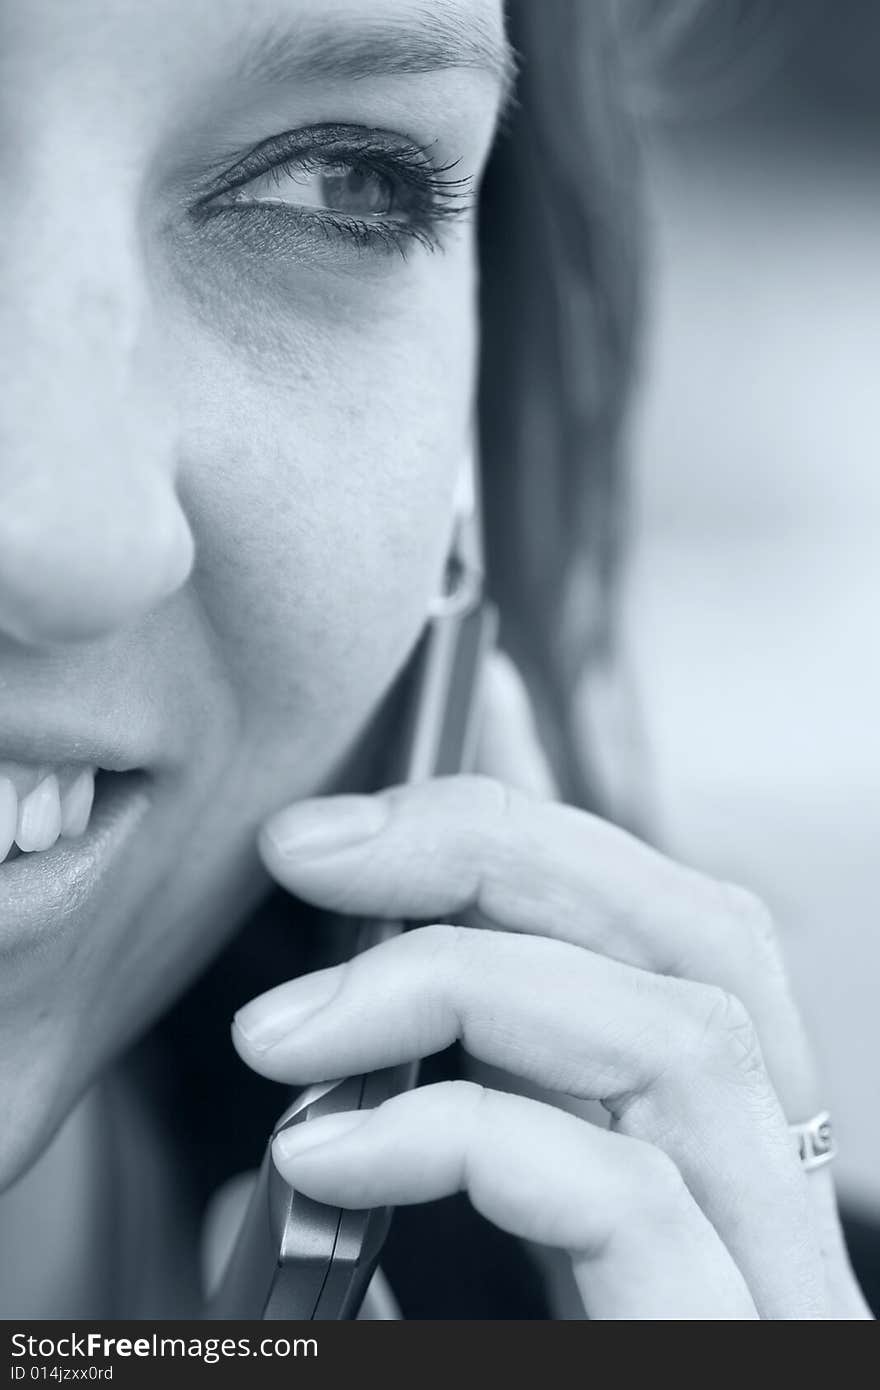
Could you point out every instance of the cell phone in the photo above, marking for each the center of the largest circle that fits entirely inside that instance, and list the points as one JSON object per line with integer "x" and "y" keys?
{"x": 295, "y": 1258}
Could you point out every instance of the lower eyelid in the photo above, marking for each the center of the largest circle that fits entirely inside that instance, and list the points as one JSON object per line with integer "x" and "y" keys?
{"x": 321, "y": 229}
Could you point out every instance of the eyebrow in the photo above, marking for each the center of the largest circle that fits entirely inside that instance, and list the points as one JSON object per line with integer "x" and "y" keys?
{"x": 350, "y": 50}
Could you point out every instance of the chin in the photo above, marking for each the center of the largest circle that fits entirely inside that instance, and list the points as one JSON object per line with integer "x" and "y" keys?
{"x": 34, "y": 1103}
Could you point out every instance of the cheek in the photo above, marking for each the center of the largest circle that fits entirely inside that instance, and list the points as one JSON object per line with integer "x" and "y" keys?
{"x": 318, "y": 470}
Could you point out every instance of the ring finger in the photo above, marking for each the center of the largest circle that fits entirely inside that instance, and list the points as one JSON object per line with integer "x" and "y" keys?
{"x": 640, "y": 1245}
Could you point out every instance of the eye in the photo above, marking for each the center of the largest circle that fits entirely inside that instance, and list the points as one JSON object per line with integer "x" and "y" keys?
{"x": 350, "y": 189}
{"x": 367, "y": 187}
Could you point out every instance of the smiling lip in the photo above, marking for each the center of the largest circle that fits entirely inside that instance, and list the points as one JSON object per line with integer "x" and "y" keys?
{"x": 51, "y": 893}
{"x": 59, "y": 748}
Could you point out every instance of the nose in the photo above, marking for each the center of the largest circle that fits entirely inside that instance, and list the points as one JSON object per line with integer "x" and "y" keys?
{"x": 92, "y": 533}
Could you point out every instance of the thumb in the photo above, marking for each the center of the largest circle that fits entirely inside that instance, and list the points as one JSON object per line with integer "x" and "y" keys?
{"x": 509, "y": 748}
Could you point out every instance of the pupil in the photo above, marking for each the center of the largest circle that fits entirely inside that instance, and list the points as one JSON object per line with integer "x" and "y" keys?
{"x": 359, "y": 191}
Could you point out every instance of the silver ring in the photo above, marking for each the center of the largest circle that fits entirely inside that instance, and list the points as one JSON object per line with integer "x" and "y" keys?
{"x": 815, "y": 1141}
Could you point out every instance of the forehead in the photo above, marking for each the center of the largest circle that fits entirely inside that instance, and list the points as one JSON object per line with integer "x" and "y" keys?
{"x": 264, "y": 39}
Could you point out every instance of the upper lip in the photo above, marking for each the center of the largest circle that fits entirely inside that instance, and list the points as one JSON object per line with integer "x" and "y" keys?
{"x": 59, "y": 747}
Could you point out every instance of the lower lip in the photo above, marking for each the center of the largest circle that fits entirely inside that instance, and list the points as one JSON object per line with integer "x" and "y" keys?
{"x": 43, "y": 895}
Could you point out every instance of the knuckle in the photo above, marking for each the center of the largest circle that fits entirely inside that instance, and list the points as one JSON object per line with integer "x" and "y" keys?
{"x": 465, "y": 1103}
{"x": 726, "y": 1035}
{"x": 435, "y": 938}
{"x": 457, "y": 1093}
{"x": 448, "y": 950}
{"x": 496, "y": 800}
{"x": 483, "y": 829}
{"x": 749, "y": 921}
{"x": 708, "y": 1039}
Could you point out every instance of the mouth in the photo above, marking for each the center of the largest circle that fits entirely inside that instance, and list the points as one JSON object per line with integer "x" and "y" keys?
{"x": 46, "y": 798}
{"x": 40, "y": 805}
{"x": 63, "y": 828}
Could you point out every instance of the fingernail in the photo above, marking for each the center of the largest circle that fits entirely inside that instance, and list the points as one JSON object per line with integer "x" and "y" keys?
{"x": 313, "y": 1134}
{"x": 325, "y": 825}
{"x": 266, "y": 1020}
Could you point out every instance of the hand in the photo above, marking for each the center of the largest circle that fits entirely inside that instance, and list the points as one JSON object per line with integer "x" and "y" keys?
{"x": 613, "y": 975}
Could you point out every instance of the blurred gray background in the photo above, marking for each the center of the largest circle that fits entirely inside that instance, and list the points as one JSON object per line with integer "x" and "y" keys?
{"x": 751, "y": 607}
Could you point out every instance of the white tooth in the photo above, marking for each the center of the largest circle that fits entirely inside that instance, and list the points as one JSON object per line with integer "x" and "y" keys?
{"x": 8, "y": 816}
{"x": 76, "y": 805}
{"x": 39, "y": 817}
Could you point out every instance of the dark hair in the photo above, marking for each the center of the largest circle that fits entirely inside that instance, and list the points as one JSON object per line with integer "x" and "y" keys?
{"x": 560, "y": 232}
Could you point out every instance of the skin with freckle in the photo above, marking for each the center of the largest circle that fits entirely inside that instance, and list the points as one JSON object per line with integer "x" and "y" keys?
{"x": 290, "y": 409}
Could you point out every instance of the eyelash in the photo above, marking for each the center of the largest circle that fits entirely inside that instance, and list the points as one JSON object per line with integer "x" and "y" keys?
{"x": 433, "y": 197}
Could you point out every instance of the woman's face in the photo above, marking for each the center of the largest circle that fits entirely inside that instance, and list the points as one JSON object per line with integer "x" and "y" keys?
{"x": 237, "y": 341}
